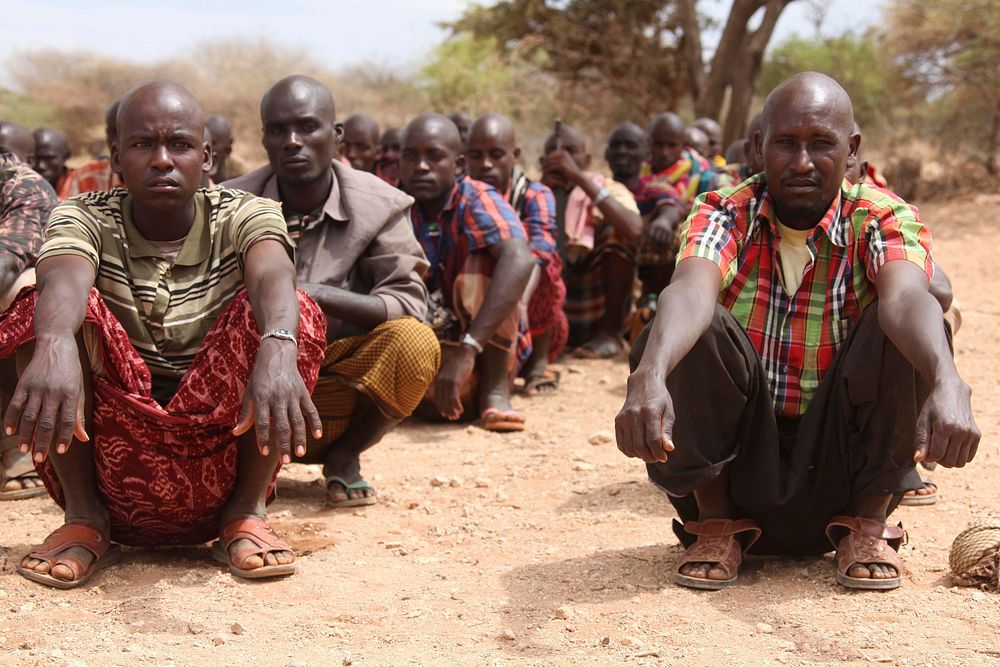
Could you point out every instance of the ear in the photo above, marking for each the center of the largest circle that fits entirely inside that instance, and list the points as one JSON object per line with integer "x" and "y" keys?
{"x": 116, "y": 165}
{"x": 517, "y": 152}
{"x": 338, "y": 129}
{"x": 460, "y": 162}
{"x": 207, "y": 158}
{"x": 758, "y": 145}
{"x": 854, "y": 144}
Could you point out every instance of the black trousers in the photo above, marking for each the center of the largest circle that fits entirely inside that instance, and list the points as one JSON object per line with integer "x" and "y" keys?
{"x": 856, "y": 438}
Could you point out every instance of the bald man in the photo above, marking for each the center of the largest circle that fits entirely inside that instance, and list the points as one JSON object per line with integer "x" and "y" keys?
{"x": 15, "y": 139}
{"x": 697, "y": 140}
{"x": 358, "y": 258}
{"x": 51, "y": 153}
{"x": 222, "y": 147}
{"x": 387, "y": 164}
{"x": 598, "y": 224}
{"x": 155, "y": 412}
{"x": 98, "y": 175}
{"x": 491, "y": 157}
{"x": 360, "y": 144}
{"x": 462, "y": 121}
{"x": 713, "y": 140}
{"x": 480, "y": 264}
{"x": 809, "y": 367}
{"x": 673, "y": 167}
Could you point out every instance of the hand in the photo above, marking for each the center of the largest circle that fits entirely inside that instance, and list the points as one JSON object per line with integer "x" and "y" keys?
{"x": 562, "y": 165}
{"x": 660, "y": 234}
{"x": 644, "y": 425}
{"x": 455, "y": 370}
{"x": 48, "y": 402}
{"x": 946, "y": 431}
{"x": 277, "y": 402}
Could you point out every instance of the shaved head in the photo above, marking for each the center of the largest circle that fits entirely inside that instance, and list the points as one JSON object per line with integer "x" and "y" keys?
{"x": 301, "y": 135}
{"x": 431, "y": 156}
{"x": 713, "y": 132}
{"x": 361, "y": 141}
{"x": 220, "y": 128}
{"x": 462, "y": 121}
{"x": 299, "y": 88}
{"x": 221, "y": 140}
{"x": 494, "y": 125}
{"x": 698, "y": 140}
{"x": 809, "y": 92}
{"x": 627, "y": 150}
{"x": 166, "y": 98}
{"x": 492, "y": 151}
{"x": 667, "y": 121}
{"x": 51, "y": 152}
{"x": 751, "y": 158}
{"x": 111, "y": 123}
{"x": 362, "y": 125}
{"x": 437, "y": 126}
{"x": 666, "y": 140}
{"x": 17, "y": 140}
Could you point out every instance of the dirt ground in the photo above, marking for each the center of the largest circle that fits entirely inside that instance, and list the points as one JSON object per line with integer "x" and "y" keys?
{"x": 547, "y": 548}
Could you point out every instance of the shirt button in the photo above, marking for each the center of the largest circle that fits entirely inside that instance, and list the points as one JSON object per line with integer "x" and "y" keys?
{"x": 784, "y": 369}
{"x": 167, "y": 273}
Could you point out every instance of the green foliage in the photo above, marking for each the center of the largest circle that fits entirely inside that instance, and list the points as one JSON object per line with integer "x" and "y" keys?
{"x": 26, "y": 111}
{"x": 465, "y": 72}
{"x": 855, "y": 61}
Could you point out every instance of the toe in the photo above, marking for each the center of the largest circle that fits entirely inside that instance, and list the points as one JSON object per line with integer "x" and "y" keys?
{"x": 13, "y": 485}
{"x": 270, "y": 559}
{"x": 284, "y": 557}
{"x": 859, "y": 572}
{"x": 252, "y": 562}
{"x": 718, "y": 574}
{"x": 63, "y": 572}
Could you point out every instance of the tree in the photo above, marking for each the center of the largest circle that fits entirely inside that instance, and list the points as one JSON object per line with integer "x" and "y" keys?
{"x": 947, "y": 52}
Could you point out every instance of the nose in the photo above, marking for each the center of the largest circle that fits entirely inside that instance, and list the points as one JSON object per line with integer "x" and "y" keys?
{"x": 802, "y": 161}
{"x": 292, "y": 141}
{"x": 422, "y": 166}
{"x": 161, "y": 158}
{"x": 487, "y": 164}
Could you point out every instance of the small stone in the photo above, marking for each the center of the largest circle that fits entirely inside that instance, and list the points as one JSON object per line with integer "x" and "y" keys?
{"x": 218, "y": 640}
{"x": 764, "y": 628}
{"x": 631, "y": 642}
{"x": 508, "y": 635}
{"x": 439, "y": 481}
{"x": 196, "y": 628}
{"x": 483, "y": 482}
{"x": 136, "y": 624}
{"x": 605, "y": 641}
{"x": 563, "y": 613}
{"x": 298, "y": 663}
{"x": 584, "y": 467}
{"x": 57, "y": 653}
{"x": 455, "y": 482}
{"x": 393, "y": 545}
{"x": 236, "y": 629}
{"x": 348, "y": 660}
{"x": 601, "y": 438}
{"x": 979, "y": 596}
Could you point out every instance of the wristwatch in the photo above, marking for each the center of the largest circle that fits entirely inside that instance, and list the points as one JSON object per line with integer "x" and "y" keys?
{"x": 473, "y": 343}
{"x": 280, "y": 334}
{"x": 602, "y": 195}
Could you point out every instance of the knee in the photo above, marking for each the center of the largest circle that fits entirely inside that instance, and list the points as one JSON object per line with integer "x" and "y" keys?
{"x": 408, "y": 338}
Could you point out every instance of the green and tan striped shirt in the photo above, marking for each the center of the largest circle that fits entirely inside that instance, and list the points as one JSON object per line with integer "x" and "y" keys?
{"x": 165, "y": 307}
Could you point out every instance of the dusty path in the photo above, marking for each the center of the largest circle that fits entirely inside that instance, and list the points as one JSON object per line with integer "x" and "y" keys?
{"x": 535, "y": 549}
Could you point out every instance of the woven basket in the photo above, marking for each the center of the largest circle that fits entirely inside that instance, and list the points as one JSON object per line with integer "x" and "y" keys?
{"x": 975, "y": 555}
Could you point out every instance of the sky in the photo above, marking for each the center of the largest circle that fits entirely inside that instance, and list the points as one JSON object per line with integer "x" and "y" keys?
{"x": 395, "y": 33}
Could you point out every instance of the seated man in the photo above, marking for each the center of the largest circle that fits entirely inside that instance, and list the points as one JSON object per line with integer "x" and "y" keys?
{"x": 192, "y": 411}
{"x": 463, "y": 121}
{"x": 25, "y": 203}
{"x": 17, "y": 140}
{"x": 358, "y": 258}
{"x": 696, "y": 140}
{"x": 360, "y": 143}
{"x": 480, "y": 264}
{"x": 713, "y": 140}
{"x": 598, "y": 224}
{"x": 222, "y": 148}
{"x": 96, "y": 176}
{"x": 808, "y": 366}
{"x": 491, "y": 157}
{"x": 51, "y": 153}
{"x": 387, "y": 164}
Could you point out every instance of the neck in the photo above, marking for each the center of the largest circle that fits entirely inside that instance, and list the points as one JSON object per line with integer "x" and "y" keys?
{"x": 432, "y": 208}
{"x": 630, "y": 181}
{"x": 800, "y": 219}
{"x": 307, "y": 197}
{"x": 163, "y": 226}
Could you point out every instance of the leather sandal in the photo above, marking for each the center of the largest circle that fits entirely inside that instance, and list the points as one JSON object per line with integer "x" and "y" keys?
{"x": 69, "y": 535}
{"x": 265, "y": 540}
{"x": 861, "y": 541}
{"x": 721, "y": 542}
{"x": 17, "y": 466}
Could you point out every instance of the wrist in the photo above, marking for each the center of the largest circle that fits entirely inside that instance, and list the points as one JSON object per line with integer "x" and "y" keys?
{"x": 471, "y": 344}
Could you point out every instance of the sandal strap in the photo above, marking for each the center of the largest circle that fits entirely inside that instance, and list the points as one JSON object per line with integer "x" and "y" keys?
{"x": 69, "y": 535}
{"x": 893, "y": 535}
{"x": 725, "y": 528}
{"x": 255, "y": 530}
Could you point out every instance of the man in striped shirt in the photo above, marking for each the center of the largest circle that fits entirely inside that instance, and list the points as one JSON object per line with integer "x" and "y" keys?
{"x": 798, "y": 366}
{"x": 145, "y": 326}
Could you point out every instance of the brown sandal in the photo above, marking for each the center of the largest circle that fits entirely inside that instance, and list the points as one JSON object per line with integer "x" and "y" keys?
{"x": 17, "y": 466}
{"x": 720, "y": 541}
{"x": 69, "y": 535}
{"x": 256, "y": 530}
{"x": 861, "y": 541}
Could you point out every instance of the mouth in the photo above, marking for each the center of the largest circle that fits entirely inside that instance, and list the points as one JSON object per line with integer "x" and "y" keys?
{"x": 162, "y": 184}
{"x": 295, "y": 161}
{"x": 800, "y": 185}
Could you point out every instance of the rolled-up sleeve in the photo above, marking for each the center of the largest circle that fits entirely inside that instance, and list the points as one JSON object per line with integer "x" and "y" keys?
{"x": 710, "y": 233}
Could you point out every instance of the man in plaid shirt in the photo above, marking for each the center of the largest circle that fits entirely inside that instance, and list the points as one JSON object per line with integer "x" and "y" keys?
{"x": 801, "y": 366}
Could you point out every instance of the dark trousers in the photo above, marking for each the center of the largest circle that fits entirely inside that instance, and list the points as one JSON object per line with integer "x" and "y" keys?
{"x": 856, "y": 438}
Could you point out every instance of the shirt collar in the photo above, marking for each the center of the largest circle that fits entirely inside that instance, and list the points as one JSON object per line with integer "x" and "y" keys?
{"x": 833, "y": 224}
{"x": 333, "y": 207}
{"x": 197, "y": 243}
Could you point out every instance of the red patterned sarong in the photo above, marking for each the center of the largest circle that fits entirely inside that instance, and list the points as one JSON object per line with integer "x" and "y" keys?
{"x": 165, "y": 473}
{"x": 545, "y": 310}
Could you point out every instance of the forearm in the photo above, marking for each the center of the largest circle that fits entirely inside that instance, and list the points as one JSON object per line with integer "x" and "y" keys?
{"x": 63, "y": 290}
{"x": 510, "y": 277}
{"x": 912, "y": 319}
{"x": 627, "y": 223}
{"x": 360, "y": 310}
{"x": 273, "y": 299}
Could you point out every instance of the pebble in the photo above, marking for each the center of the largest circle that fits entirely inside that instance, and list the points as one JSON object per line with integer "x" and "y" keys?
{"x": 236, "y": 629}
{"x": 298, "y": 663}
{"x": 563, "y": 613}
{"x": 601, "y": 438}
{"x": 57, "y": 653}
{"x": 631, "y": 642}
{"x": 764, "y": 628}
{"x": 196, "y": 628}
{"x": 456, "y": 482}
{"x": 483, "y": 482}
{"x": 348, "y": 660}
{"x": 508, "y": 635}
{"x": 584, "y": 467}
{"x": 218, "y": 640}
{"x": 605, "y": 641}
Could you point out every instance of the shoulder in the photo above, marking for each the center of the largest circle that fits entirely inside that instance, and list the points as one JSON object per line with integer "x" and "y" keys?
{"x": 252, "y": 181}
{"x": 365, "y": 194}
{"x": 865, "y": 202}
{"x": 228, "y": 202}
{"x": 101, "y": 205}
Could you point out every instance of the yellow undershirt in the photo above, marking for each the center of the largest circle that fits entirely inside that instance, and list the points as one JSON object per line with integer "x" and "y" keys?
{"x": 794, "y": 255}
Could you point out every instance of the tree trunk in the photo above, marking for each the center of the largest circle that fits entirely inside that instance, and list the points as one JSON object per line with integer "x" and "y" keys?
{"x": 709, "y": 102}
{"x": 993, "y": 143}
{"x": 691, "y": 46}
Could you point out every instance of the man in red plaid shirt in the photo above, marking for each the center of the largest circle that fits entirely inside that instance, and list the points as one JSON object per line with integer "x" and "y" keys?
{"x": 801, "y": 366}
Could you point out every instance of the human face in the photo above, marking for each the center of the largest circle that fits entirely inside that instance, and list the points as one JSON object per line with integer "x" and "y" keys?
{"x": 573, "y": 144}
{"x": 50, "y": 161}
{"x": 161, "y": 154}
{"x": 359, "y": 149}
{"x": 491, "y": 160}
{"x": 665, "y": 146}
{"x": 427, "y": 165}
{"x": 625, "y": 154}
{"x": 391, "y": 146}
{"x": 805, "y": 149}
{"x": 300, "y": 137}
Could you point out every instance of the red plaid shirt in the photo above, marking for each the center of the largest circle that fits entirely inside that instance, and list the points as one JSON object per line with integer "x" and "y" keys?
{"x": 798, "y": 335}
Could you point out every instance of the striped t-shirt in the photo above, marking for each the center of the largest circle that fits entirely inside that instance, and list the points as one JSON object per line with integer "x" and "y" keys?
{"x": 165, "y": 307}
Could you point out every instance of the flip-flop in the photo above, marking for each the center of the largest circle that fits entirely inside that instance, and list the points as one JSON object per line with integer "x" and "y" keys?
{"x": 69, "y": 535}
{"x": 17, "y": 466}
{"x": 550, "y": 378}
{"x": 586, "y": 351}
{"x": 256, "y": 530}
{"x": 918, "y": 499}
{"x": 360, "y": 485}
{"x": 501, "y": 421}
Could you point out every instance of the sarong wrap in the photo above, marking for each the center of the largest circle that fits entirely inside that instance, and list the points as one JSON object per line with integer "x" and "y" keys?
{"x": 545, "y": 309}
{"x": 166, "y": 473}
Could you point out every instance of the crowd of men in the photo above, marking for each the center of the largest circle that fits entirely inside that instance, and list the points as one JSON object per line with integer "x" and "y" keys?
{"x": 173, "y": 332}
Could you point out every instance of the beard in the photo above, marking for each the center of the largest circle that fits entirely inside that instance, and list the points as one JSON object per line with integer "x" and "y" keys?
{"x": 801, "y": 216}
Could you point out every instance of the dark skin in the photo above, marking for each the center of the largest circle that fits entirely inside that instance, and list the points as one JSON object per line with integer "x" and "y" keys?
{"x": 390, "y": 145}
{"x": 301, "y": 135}
{"x": 666, "y": 140}
{"x": 713, "y": 134}
{"x": 222, "y": 145}
{"x": 161, "y": 157}
{"x": 463, "y": 121}
{"x": 564, "y": 167}
{"x": 51, "y": 152}
{"x": 805, "y": 142}
{"x": 17, "y": 140}
{"x": 753, "y": 160}
{"x": 432, "y": 152}
{"x": 360, "y": 144}
{"x": 698, "y": 140}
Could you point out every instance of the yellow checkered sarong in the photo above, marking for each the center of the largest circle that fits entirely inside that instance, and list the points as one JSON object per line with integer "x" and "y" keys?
{"x": 392, "y": 365}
